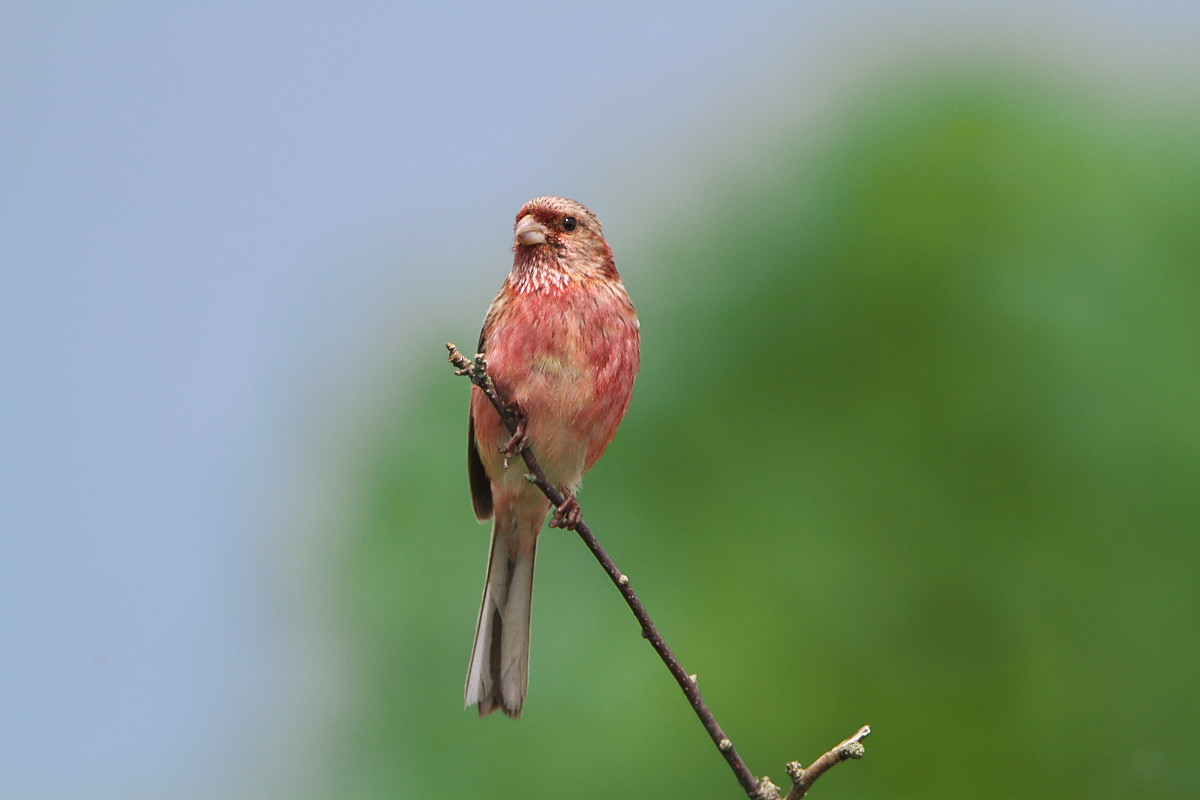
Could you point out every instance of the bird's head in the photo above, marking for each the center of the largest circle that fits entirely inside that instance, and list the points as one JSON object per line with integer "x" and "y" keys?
{"x": 553, "y": 233}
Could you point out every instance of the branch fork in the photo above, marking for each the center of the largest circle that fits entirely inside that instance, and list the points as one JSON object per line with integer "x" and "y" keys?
{"x": 569, "y": 515}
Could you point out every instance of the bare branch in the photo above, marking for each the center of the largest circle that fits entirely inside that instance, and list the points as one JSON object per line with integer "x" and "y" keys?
{"x": 756, "y": 789}
{"x": 803, "y": 779}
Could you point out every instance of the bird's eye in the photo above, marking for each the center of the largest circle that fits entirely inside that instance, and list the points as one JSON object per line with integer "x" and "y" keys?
{"x": 569, "y": 224}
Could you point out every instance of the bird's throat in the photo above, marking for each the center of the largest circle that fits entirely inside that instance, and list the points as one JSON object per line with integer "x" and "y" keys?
{"x": 538, "y": 272}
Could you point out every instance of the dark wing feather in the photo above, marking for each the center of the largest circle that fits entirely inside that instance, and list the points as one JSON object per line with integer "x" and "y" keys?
{"x": 481, "y": 487}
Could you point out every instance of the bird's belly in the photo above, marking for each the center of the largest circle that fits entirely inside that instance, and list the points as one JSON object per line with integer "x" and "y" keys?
{"x": 555, "y": 397}
{"x": 570, "y": 365}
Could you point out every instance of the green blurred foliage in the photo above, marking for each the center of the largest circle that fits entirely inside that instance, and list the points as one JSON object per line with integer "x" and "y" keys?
{"x": 916, "y": 444}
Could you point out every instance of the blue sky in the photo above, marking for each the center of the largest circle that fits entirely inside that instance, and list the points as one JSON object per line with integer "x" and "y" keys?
{"x": 218, "y": 218}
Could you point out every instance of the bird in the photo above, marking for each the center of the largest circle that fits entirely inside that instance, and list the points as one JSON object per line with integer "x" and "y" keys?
{"x": 562, "y": 345}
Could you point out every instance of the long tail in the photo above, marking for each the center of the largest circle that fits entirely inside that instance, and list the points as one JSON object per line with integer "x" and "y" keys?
{"x": 499, "y": 673}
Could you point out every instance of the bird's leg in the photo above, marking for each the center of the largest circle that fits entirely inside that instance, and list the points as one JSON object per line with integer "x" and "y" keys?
{"x": 517, "y": 443}
{"x": 569, "y": 514}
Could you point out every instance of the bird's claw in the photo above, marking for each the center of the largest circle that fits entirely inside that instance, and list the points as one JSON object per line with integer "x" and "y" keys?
{"x": 517, "y": 443}
{"x": 568, "y": 515}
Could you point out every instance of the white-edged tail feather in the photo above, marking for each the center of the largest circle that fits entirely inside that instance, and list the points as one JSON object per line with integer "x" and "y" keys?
{"x": 499, "y": 674}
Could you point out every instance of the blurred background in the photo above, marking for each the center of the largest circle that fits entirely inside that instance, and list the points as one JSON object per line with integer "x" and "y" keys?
{"x": 916, "y": 441}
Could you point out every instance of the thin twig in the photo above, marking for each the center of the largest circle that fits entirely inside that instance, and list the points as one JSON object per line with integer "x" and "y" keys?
{"x": 803, "y": 779}
{"x": 756, "y": 789}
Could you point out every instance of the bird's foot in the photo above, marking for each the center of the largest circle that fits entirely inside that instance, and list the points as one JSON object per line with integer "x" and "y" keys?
{"x": 568, "y": 515}
{"x": 517, "y": 443}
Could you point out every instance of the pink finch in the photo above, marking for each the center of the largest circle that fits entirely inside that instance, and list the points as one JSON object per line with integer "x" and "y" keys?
{"x": 562, "y": 345}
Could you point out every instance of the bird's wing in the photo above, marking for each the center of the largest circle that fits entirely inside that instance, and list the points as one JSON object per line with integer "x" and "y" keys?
{"x": 481, "y": 487}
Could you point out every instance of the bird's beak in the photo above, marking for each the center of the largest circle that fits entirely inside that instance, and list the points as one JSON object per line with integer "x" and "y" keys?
{"x": 530, "y": 231}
